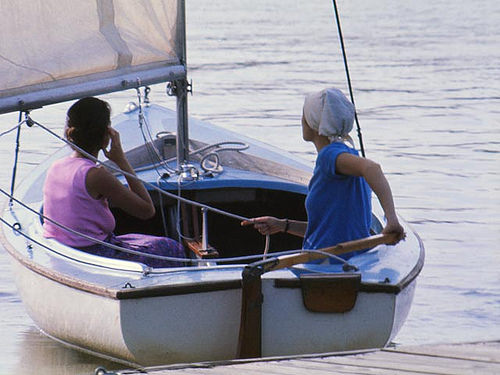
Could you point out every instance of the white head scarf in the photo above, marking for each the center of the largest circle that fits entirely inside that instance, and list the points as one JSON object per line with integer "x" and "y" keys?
{"x": 329, "y": 113}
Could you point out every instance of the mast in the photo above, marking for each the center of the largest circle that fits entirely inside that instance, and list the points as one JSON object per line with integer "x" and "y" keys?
{"x": 181, "y": 87}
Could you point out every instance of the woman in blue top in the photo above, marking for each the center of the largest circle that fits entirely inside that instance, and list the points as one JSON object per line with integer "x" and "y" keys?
{"x": 338, "y": 202}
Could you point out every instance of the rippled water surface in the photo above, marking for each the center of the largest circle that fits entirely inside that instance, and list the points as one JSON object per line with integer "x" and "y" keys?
{"x": 425, "y": 77}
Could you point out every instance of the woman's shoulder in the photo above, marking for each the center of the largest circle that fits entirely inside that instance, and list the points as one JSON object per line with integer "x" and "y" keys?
{"x": 69, "y": 161}
{"x": 336, "y": 148}
{"x": 61, "y": 162}
{"x": 65, "y": 166}
{"x": 327, "y": 158}
{"x": 99, "y": 174}
{"x": 100, "y": 180}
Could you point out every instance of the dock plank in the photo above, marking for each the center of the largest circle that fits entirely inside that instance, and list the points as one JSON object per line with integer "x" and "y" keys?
{"x": 453, "y": 359}
{"x": 305, "y": 366}
{"x": 484, "y": 351}
{"x": 416, "y": 363}
{"x": 259, "y": 368}
{"x": 292, "y": 367}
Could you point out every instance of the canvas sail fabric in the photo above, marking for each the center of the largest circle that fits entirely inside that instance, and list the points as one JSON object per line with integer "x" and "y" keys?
{"x": 57, "y": 48}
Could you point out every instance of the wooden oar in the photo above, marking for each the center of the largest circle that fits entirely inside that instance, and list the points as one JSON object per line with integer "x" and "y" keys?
{"x": 250, "y": 337}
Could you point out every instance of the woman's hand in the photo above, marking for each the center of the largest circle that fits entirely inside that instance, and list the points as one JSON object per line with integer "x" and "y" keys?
{"x": 266, "y": 224}
{"x": 135, "y": 200}
{"x": 393, "y": 227}
{"x": 115, "y": 152}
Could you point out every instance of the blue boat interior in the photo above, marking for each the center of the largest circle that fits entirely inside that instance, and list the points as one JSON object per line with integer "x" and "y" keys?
{"x": 242, "y": 193}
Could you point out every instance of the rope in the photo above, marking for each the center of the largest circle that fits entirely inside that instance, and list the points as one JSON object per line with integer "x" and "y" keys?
{"x": 119, "y": 248}
{"x": 241, "y": 146}
{"x": 19, "y": 231}
{"x": 178, "y": 198}
{"x": 83, "y": 235}
{"x": 266, "y": 247}
{"x": 346, "y": 66}
{"x": 185, "y": 260}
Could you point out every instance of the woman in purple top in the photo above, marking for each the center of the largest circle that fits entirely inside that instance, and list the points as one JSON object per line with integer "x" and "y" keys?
{"x": 338, "y": 202}
{"x": 77, "y": 191}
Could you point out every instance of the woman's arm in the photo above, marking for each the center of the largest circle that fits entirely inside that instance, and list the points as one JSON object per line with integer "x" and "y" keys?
{"x": 353, "y": 165}
{"x": 134, "y": 200}
{"x": 271, "y": 225}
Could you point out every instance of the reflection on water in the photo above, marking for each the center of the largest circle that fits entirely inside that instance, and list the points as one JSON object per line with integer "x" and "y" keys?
{"x": 43, "y": 356}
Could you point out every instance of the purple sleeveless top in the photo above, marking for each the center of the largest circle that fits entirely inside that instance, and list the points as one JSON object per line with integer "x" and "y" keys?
{"x": 67, "y": 201}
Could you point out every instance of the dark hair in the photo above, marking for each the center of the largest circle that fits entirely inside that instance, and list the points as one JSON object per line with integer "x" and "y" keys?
{"x": 87, "y": 122}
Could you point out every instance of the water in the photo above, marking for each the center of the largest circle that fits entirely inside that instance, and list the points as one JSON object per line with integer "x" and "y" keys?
{"x": 425, "y": 76}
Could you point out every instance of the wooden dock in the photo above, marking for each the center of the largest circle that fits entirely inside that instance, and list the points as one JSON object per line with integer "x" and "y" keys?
{"x": 453, "y": 359}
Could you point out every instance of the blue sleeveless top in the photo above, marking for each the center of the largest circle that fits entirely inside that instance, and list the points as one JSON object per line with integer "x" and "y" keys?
{"x": 338, "y": 206}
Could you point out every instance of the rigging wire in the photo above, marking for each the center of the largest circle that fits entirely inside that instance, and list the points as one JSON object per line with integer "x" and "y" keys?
{"x": 16, "y": 227}
{"x": 348, "y": 76}
{"x": 80, "y": 234}
{"x": 148, "y": 255}
{"x": 150, "y": 185}
{"x": 19, "y": 124}
{"x": 16, "y": 156}
{"x": 152, "y": 152}
{"x": 177, "y": 197}
{"x": 156, "y": 159}
{"x": 154, "y": 156}
{"x": 162, "y": 211}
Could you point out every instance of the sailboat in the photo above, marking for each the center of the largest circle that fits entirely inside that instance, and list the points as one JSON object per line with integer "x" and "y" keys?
{"x": 239, "y": 294}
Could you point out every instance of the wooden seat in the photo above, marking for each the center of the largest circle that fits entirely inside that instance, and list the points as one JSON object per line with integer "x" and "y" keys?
{"x": 196, "y": 247}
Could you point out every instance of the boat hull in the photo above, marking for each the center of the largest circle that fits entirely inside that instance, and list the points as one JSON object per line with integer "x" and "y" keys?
{"x": 203, "y": 326}
{"x": 290, "y": 329}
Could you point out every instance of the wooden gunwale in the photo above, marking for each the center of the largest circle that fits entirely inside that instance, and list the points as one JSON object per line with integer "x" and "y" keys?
{"x": 168, "y": 290}
{"x": 55, "y": 276}
{"x": 173, "y": 290}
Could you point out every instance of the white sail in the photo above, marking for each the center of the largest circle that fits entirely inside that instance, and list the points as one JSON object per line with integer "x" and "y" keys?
{"x": 57, "y": 50}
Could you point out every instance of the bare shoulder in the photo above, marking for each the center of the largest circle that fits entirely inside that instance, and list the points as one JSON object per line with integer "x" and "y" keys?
{"x": 101, "y": 183}
{"x": 97, "y": 174}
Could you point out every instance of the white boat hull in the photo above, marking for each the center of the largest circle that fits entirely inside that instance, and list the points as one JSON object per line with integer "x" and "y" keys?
{"x": 204, "y": 326}
{"x": 289, "y": 328}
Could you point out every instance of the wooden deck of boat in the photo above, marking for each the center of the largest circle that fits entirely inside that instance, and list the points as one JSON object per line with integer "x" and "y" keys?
{"x": 474, "y": 358}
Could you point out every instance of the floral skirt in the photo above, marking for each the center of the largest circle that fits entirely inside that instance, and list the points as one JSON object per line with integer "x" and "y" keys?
{"x": 144, "y": 243}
